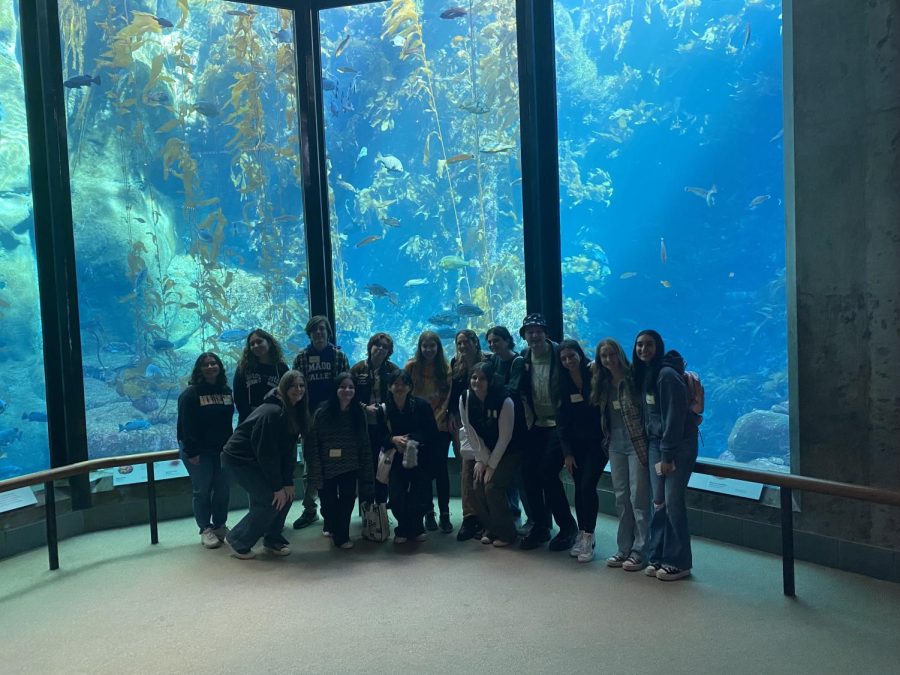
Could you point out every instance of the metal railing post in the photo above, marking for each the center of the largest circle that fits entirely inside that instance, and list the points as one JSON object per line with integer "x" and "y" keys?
{"x": 151, "y": 498}
{"x": 787, "y": 540}
{"x": 50, "y": 516}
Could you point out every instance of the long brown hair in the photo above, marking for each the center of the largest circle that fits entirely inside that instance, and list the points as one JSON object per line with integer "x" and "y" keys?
{"x": 298, "y": 416}
{"x": 249, "y": 363}
{"x": 416, "y": 365}
{"x": 602, "y": 378}
{"x": 461, "y": 368}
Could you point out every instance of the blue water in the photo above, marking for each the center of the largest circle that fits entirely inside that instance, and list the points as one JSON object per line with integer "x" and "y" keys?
{"x": 188, "y": 214}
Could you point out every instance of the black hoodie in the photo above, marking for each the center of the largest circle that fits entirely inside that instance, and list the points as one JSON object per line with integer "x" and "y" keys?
{"x": 265, "y": 439}
{"x": 665, "y": 407}
{"x": 204, "y": 418}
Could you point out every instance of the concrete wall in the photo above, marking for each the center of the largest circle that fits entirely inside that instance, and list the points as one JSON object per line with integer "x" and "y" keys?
{"x": 846, "y": 185}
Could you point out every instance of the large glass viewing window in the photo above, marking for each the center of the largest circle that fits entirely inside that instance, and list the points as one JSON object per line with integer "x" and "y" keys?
{"x": 671, "y": 179}
{"x": 185, "y": 168}
{"x": 23, "y": 409}
{"x": 422, "y": 134}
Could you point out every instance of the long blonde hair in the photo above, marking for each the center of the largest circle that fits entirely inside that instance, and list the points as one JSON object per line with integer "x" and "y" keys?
{"x": 602, "y": 377}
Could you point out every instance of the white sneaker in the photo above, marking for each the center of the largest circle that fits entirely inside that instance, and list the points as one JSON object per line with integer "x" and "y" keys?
{"x": 220, "y": 532}
{"x": 347, "y": 544}
{"x": 651, "y": 569}
{"x": 209, "y": 539}
{"x": 578, "y": 548}
{"x": 587, "y": 551}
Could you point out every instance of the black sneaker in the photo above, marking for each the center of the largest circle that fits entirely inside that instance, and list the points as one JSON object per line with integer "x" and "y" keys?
{"x": 306, "y": 519}
{"x": 525, "y": 529}
{"x": 535, "y": 539}
{"x": 444, "y": 523}
{"x": 430, "y": 523}
{"x": 563, "y": 541}
{"x": 467, "y": 531}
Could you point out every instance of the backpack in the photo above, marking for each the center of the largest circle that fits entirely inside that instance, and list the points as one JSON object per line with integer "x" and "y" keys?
{"x": 696, "y": 395}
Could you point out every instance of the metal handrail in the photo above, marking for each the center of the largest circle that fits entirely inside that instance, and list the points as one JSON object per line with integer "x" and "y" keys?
{"x": 786, "y": 482}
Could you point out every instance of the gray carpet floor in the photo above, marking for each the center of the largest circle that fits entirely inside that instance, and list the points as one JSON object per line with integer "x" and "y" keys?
{"x": 120, "y": 605}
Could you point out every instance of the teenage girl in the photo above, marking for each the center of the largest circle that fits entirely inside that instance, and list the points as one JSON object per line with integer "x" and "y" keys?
{"x": 338, "y": 457}
{"x": 205, "y": 410}
{"x": 672, "y": 440}
{"x": 258, "y": 372}
{"x": 613, "y": 391}
{"x": 430, "y": 375}
{"x": 581, "y": 435}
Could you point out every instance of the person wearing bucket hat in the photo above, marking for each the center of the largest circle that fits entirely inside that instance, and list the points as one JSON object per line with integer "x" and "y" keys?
{"x": 542, "y": 457}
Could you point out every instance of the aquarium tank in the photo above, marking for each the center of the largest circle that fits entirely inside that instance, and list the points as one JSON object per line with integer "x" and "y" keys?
{"x": 671, "y": 168}
{"x": 182, "y": 124}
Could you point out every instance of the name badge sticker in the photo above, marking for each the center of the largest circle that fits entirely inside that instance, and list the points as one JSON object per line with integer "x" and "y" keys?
{"x": 576, "y": 398}
{"x": 617, "y": 405}
{"x": 314, "y": 359}
{"x": 334, "y": 453}
{"x": 651, "y": 399}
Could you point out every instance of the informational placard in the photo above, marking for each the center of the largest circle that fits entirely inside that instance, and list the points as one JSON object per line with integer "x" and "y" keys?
{"x": 17, "y": 499}
{"x": 130, "y": 475}
{"x": 726, "y": 486}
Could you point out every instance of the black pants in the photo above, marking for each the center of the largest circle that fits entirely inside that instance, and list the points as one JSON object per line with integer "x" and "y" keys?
{"x": 439, "y": 473}
{"x": 542, "y": 461}
{"x": 408, "y": 498}
{"x": 590, "y": 460}
{"x": 338, "y": 495}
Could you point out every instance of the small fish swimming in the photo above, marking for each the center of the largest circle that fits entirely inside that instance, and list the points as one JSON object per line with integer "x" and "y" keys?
{"x": 156, "y": 97}
{"x": 747, "y": 32}
{"x": 371, "y": 239}
{"x": 81, "y": 81}
{"x": 346, "y": 70}
{"x": 153, "y": 371}
{"x": 461, "y": 157}
{"x": 342, "y": 45}
{"x": 363, "y": 152}
{"x": 134, "y": 425}
{"x": 117, "y": 348}
{"x": 416, "y": 282}
{"x": 444, "y": 319}
{"x": 391, "y": 222}
{"x": 389, "y": 162}
{"x": 379, "y": 291}
{"x": 233, "y": 335}
{"x": 761, "y": 199}
{"x": 454, "y": 262}
{"x": 468, "y": 309}
{"x": 454, "y": 13}
{"x": 206, "y": 108}
{"x": 164, "y": 23}
{"x": 666, "y": 284}
{"x": 494, "y": 149}
{"x": 10, "y": 435}
{"x": 777, "y": 136}
{"x": 709, "y": 196}
{"x": 282, "y": 36}
{"x": 35, "y": 416}
{"x": 238, "y": 12}
{"x": 328, "y": 85}
{"x": 663, "y": 254}
{"x": 162, "y": 345}
{"x": 474, "y": 107}
{"x": 627, "y": 275}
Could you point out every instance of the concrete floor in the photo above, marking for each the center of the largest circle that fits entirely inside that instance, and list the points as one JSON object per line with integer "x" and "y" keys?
{"x": 120, "y": 605}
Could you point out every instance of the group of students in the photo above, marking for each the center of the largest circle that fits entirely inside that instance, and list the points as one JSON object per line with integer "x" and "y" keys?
{"x": 515, "y": 420}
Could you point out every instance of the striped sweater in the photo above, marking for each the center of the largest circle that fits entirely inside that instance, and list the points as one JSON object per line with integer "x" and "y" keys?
{"x": 338, "y": 444}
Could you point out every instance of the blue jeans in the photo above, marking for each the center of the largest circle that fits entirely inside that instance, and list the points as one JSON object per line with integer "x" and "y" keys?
{"x": 211, "y": 488}
{"x": 631, "y": 484}
{"x": 263, "y": 519}
{"x": 670, "y": 537}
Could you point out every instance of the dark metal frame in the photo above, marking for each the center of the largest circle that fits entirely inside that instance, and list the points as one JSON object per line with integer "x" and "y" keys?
{"x": 51, "y": 186}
